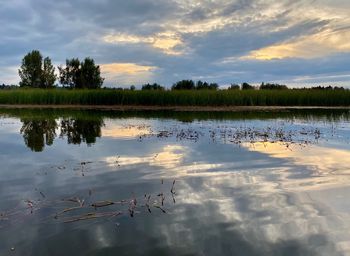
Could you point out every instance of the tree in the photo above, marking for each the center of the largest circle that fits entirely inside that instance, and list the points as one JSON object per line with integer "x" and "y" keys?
{"x": 269, "y": 86}
{"x": 79, "y": 75}
{"x": 200, "y": 85}
{"x": 246, "y": 86}
{"x": 30, "y": 71}
{"x": 213, "y": 86}
{"x": 233, "y": 87}
{"x": 48, "y": 76}
{"x": 36, "y": 73}
{"x": 71, "y": 74}
{"x": 205, "y": 86}
{"x": 154, "y": 86}
{"x": 90, "y": 74}
{"x": 184, "y": 85}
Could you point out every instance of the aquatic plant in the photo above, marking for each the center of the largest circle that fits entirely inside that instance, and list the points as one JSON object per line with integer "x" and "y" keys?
{"x": 85, "y": 209}
{"x": 300, "y": 97}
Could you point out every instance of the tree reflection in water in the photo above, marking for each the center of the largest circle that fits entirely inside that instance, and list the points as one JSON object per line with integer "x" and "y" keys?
{"x": 79, "y": 130}
{"x": 40, "y": 132}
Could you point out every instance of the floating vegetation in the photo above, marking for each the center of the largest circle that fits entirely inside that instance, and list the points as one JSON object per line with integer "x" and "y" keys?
{"x": 241, "y": 134}
{"x": 75, "y": 209}
{"x": 92, "y": 215}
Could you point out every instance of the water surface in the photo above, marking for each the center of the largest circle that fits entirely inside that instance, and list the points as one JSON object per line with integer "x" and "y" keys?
{"x": 265, "y": 183}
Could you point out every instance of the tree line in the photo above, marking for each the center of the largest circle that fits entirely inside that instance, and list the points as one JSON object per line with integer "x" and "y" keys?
{"x": 38, "y": 72}
{"x": 200, "y": 85}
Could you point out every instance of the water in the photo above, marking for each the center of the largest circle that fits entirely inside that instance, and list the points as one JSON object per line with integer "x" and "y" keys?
{"x": 245, "y": 183}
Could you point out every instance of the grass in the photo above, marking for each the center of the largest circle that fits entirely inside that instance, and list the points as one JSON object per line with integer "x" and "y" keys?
{"x": 298, "y": 97}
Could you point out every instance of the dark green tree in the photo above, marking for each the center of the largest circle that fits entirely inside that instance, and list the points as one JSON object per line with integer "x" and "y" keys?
{"x": 79, "y": 75}
{"x": 246, "y": 86}
{"x": 201, "y": 85}
{"x": 213, "y": 86}
{"x": 154, "y": 86}
{"x": 48, "y": 76}
{"x": 91, "y": 74}
{"x": 36, "y": 73}
{"x": 269, "y": 86}
{"x": 31, "y": 69}
{"x": 206, "y": 86}
{"x": 234, "y": 87}
{"x": 184, "y": 85}
{"x": 70, "y": 75}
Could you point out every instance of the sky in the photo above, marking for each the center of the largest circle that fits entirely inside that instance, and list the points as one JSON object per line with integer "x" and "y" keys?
{"x": 294, "y": 42}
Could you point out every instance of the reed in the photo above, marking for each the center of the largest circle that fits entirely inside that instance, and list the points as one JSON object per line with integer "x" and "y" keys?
{"x": 294, "y": 97}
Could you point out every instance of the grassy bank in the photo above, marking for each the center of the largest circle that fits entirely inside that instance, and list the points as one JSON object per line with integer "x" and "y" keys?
{"x": 177, "y": 98}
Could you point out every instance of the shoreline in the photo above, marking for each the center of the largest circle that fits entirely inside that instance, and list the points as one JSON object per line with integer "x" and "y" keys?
{"x": 172, "y": 108}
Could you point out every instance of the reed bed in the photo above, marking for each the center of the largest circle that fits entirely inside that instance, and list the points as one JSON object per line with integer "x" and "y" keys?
{"x": 293, "y": 97}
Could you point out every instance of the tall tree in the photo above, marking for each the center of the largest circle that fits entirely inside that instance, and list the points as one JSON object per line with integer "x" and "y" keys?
{"x": 71, "y": 74}
{"x": 79, "y": 75}
{"x": 48, "y": 76}
{"x": 36, "y": 73}
{"x": 31, "y": 69}
{"x": 91, "y": 74}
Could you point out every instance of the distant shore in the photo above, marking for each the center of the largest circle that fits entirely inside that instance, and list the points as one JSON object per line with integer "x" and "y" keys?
{"x": 169, "y": 108}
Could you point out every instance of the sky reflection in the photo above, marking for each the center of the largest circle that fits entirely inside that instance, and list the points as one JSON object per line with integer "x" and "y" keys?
{"x": 245, "y": 199}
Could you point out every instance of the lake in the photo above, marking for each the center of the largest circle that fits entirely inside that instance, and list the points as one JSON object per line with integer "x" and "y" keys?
{"x": 174, "y": 183}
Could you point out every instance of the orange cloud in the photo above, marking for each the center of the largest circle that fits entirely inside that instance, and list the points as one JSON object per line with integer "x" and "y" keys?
{"x": 165, "y": 42}
{"x": 317, "y": 45}
{"x": 127, "y": 73}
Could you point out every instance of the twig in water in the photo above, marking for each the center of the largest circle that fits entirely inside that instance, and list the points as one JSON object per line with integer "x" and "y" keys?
{"x": 173, "y": 196}
{"x": 93, "y": 215}
{"x": 159, "y": 207}
{"x": 75, "y": 200}
{"x": 102, "y": 204}
{"x": 147, "y": 203}
{"x": 132, "y": 206}
{"x": 173, "y": 188}
{"x": 67, "y": 210}
{"x": 162, "y": 198}
{"x": 41, "y": 193}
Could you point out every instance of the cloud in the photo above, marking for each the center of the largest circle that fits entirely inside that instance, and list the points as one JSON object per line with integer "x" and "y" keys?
{"x": 9, "y": 74}
{"x": 166, "y": 42}
{"x": 222, "y": 41}
{"x": 321, "y": 44}
{"x": 126, "y": 73}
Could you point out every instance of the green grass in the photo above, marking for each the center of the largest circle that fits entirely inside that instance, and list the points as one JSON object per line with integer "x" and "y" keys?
{"x": 177, "y": 98}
